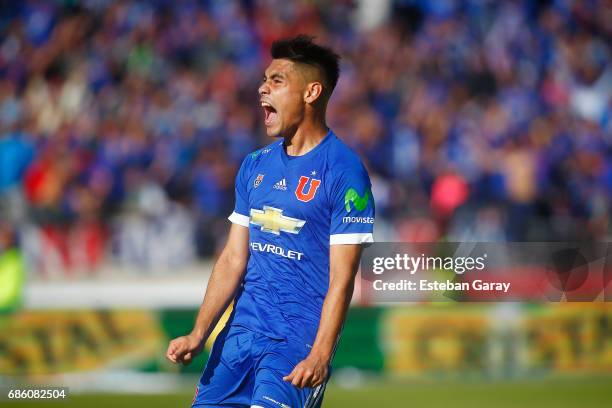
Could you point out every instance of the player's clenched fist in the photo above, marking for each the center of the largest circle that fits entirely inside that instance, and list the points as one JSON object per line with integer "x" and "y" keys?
{"x": 183, "y": 349}
{"x": 310, "y": 372}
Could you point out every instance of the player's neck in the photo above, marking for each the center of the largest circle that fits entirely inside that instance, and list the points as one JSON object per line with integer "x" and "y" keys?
{"x": 306, "y": 137}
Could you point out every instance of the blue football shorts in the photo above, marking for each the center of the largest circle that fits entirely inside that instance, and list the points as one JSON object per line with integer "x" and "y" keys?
{"x": 246, "y": 369}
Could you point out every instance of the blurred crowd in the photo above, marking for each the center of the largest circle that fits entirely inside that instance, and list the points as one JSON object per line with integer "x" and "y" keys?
{"x": 122, "y": 124}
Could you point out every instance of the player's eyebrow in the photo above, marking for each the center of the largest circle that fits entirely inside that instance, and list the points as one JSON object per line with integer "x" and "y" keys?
{"x": 274, "y": 75}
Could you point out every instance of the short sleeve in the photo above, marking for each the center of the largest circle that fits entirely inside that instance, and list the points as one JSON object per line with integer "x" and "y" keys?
{"x": 240, "y": 215}
{"x": 352, "y": 220}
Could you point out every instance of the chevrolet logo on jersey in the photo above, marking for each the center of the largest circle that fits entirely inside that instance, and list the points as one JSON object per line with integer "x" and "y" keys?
{"x": 272, "y": 220}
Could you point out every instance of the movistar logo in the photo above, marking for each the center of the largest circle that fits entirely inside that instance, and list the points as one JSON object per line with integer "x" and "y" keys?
{"x": 258, "y": 152}
{"x": 359, "y": 202}
{"x": 358, "y": 220}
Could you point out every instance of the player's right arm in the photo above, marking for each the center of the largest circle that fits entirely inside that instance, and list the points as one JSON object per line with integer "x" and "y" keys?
{"x": 226, "y": 277}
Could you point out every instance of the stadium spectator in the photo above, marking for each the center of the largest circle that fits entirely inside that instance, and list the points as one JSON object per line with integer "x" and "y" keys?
{"x": 514, "y": 99}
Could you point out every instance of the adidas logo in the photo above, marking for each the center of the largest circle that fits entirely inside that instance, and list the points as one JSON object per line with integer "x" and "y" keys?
{"x": 281, "y": 185}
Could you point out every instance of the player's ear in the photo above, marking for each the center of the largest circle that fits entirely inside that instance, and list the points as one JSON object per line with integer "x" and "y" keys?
{"x": 313, "y": 91}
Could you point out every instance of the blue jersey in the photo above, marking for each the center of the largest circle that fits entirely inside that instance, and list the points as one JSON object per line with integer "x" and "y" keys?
{"x": 296, "y": 207}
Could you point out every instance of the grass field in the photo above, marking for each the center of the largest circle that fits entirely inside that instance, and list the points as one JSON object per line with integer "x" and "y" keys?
{"x": 557, "y": 393}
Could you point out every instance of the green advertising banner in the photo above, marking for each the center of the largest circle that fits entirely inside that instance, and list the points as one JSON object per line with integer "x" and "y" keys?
{"x": 502, "y": 341}
{"x": 57, "y": 342}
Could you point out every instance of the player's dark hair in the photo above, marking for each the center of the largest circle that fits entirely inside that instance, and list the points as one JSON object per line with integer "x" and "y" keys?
{"x": 303, "y": 50}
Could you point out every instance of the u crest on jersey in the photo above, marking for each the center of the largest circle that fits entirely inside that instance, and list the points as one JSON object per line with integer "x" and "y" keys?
{"x": 309, "y": 194}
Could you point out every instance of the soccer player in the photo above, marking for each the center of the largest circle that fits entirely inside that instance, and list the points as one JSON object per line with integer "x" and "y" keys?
{"x": 303, "y": 210}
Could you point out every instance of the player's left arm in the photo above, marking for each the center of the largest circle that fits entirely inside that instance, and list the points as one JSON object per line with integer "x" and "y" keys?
{"x": 313, "y": 370}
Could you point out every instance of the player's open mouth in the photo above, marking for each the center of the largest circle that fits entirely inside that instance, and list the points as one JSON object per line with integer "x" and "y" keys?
{"x": 270, "y": 113}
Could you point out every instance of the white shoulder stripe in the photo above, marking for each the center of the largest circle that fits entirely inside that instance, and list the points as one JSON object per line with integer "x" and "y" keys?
{"x": 239, "y": 219}
{"x": 360, "y": 238}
